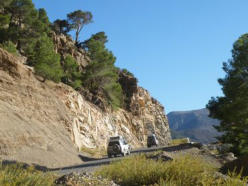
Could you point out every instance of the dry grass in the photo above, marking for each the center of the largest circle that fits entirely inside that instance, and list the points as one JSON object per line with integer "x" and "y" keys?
{"x": 96, "y": 153}
{"x": 16, "y": 175}
{"x": 184, "y": 170}
{"x": 178, "y": 141}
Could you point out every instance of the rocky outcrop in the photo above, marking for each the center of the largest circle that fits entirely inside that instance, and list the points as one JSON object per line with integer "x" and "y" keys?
{"x": 46, "y": 123}
{"x": 64, "y": 45}
{"x": 129, "y": 86}
{"x": 91, "y": 127}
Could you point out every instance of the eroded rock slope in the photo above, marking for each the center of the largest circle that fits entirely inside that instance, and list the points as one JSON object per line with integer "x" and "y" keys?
{"x": 47, "y": 123}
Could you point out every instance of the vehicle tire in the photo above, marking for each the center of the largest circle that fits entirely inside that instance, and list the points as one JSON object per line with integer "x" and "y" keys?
{"x": 116, "y": 147}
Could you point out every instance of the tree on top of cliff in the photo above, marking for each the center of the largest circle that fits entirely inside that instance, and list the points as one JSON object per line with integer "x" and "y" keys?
{"x": 77, "y": 20}
{"x": 22, "y": 13}
{"x": 101, "y": 75}
{"x": 61, "y": 26}
{"x": 43, "y": 21}
{"x": 232, "y": 108}
{"x": 47, "y": 62}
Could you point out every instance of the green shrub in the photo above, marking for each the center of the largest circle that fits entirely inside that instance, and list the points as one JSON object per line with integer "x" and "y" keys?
{"x": 125, "y": 71}
{"x": 184, "y": 170}
{"x": 10, "y": 47}
{"x": 72, "y": 74}
{"x": 13, "y": 175}
{"x": 4, "y": 20}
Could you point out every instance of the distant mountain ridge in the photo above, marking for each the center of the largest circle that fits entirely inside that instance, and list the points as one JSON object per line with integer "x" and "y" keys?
{"x": 194, "y": 124}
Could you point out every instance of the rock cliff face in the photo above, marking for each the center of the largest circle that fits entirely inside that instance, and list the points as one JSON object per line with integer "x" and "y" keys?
{"x": 92, "y": 128}
{"x": 47, "y": 123}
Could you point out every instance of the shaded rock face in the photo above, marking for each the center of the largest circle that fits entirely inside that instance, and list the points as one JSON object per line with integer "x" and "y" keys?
{"x": 64, "y": 45}
{"x": 47, "y": 123}
{"x": 129, "y": 86}
{"x": 96, "y": 99}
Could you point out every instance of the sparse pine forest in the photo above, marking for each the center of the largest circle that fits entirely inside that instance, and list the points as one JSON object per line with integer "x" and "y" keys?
{"x": 27, "y": 31}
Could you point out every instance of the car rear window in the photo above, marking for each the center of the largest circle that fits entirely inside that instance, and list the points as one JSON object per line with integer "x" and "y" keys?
{"x": 112, "y": 143}
{"x": 150, "y": 137}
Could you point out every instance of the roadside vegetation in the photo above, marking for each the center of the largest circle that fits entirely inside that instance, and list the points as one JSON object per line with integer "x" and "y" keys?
{"x": 183, "y": 170}
{"x": 14, "y": 175}
{"x": 232, "y": 108}
{"x": 179, "y": 141}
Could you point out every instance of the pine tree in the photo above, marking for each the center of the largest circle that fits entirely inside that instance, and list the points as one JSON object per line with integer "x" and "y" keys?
{"x": 23, "y": 13}
{"x": 61, "y": 26}
{"x": 232, "y": 108}
{"x": 4, "y": 20}
{"x": 47, "y": 62}
{"x": 77, "y": 20}
{"x": 25, "y": 24}
{"x": 101, "y": 74}
{"x": 72, "y": 75}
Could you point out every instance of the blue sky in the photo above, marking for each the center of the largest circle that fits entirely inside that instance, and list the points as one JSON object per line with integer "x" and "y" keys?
{"x": 174, "y": 47}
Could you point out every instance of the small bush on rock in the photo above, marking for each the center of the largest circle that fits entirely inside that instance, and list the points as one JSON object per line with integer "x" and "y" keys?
{"x": 10, "y": 47}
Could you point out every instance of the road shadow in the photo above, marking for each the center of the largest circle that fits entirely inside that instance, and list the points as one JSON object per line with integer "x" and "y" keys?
{"x": 86, "y": 158}
{"x": 22, "y": 165}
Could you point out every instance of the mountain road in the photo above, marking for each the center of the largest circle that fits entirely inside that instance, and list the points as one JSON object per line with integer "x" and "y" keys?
{"x": 91, "y": 164}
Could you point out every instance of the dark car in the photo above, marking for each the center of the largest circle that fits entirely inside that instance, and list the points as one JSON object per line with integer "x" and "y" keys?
{"x": 152, "y": 141}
